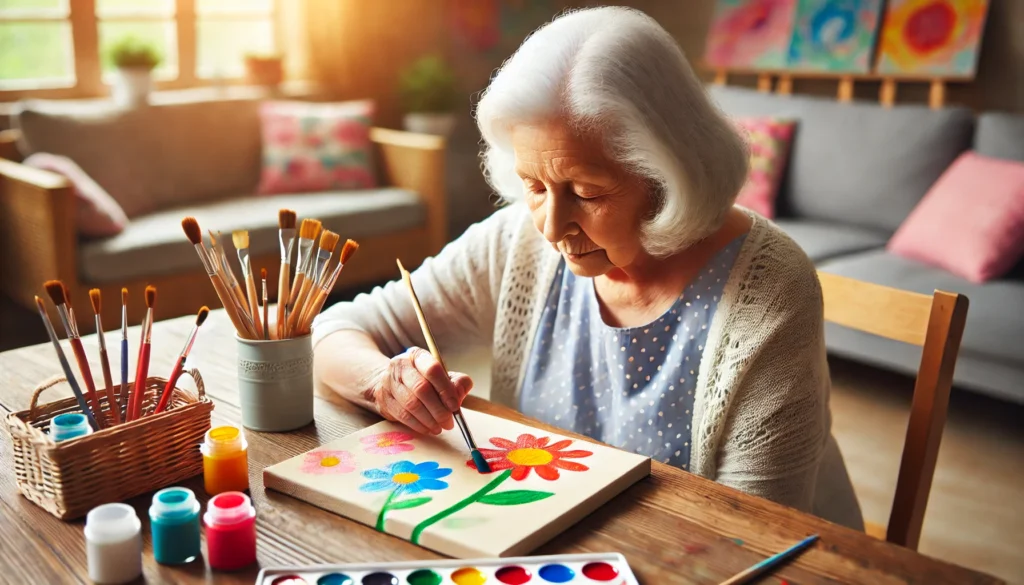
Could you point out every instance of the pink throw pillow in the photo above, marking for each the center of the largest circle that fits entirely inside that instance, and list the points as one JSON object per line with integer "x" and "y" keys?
{"x": 310, "y": 147}
{"x": 98, "y": 215}
{"x": 971, "y": 222}
{"x": 769, "y": 140}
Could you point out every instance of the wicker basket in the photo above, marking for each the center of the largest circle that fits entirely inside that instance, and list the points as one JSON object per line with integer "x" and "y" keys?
{"x": 70, "y": 478}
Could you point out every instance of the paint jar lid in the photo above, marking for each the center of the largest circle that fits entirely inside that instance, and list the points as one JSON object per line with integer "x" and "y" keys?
{"x": 224, "y": 440}
{"x": 229, "y": 508}
{"x": 111, "y": 523}
{"x": 174, "y": 502}
{"x": 68, "y": 426}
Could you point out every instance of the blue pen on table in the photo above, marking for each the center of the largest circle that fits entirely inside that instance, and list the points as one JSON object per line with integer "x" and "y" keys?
{"x": 758, "y": 569}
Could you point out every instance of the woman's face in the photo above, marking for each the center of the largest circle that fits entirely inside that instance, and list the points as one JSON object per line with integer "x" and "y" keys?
{"x": 585, "y": 204}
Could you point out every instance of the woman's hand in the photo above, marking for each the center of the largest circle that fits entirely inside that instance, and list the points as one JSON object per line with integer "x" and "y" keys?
{"x": 417, "y": 392}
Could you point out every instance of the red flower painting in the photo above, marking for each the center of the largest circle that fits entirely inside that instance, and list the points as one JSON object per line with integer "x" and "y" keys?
{"x": 532, "y": 453}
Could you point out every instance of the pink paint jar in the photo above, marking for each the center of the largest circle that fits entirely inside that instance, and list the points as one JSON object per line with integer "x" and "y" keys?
{"x": 230, "y": 521}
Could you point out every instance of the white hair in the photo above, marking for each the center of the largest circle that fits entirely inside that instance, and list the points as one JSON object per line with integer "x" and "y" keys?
{"x": 617, "y": 72}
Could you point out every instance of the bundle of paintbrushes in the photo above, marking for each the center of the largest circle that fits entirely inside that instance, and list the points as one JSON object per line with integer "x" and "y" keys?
{"x": 300, "y": 297}
{"x": 123, "y": 403}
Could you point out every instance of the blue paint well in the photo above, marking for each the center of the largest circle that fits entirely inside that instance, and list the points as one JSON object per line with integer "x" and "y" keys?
{"x": 334, "y": 579}
{"x": 556, "y": 573}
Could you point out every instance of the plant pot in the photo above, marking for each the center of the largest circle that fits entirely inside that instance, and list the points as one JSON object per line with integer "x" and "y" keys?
{"x": 132, "y": 87}
{"x": 440, "y": 124}
{"x": 264, "y": 71}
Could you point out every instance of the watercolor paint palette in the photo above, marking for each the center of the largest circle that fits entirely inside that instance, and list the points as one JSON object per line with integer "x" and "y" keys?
{"x": 583, "y": 569}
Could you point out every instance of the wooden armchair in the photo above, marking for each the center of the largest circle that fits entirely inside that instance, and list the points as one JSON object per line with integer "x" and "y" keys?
{"x": 38, "y": 239}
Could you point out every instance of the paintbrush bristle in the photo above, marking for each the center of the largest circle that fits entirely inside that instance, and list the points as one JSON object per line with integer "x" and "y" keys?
{"x": 191, "y": 227}
{"x": 240, "y": 238}
{"x": 124, "y": 296}
{"x": 213, "y": 238}
{"x": 263, "y": 273}
{"x": 348, "y": 249}
{"x": 40, "y": 305}
{"x": 55, "y": 289}
{"x": 94, "y": 298}
{"x": 329, "y": 241}
{"x": 286, "y": 219}
{"x": 203, "y": 314}
{"x": 150, "y": 296}
{"x": 310, "y": 229}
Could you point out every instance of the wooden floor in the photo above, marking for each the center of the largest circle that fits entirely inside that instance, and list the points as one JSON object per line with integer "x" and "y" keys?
{"x": 976, "y": 512}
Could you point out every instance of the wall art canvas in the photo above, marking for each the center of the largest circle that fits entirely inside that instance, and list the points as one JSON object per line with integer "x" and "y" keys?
{"x": 750, "y": 34}
{"x": 932, "y": 37}
{"x": 834, "y": 35}
{"x": 425, "y": 489}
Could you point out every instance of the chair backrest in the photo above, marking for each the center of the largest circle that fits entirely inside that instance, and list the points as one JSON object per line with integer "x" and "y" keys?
{"x": 936, "y": 324}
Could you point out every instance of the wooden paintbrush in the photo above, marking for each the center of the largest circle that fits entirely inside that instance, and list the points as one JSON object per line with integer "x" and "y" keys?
{"x": 308, "y": 232}
{"x": 108, "y": 379}
{"x": 227, "y": 299}
{"x": 325, "y": 287}
{"x": 220, "y": 262}
{"x": 266, "y": 304}
{"x": 286, "y": 234}
{"x": 75, "y": 388}
{"x": 759, "y": 569}
{"x": 314, "y": 274}
{"x": 124, "y": 353}
{"x": 240, "y": 238}
{"x": 59, "y": 295}
{"x": 179, "y": 366}
{"x": 478, "y": 459}
{"x": 142, "y": 369}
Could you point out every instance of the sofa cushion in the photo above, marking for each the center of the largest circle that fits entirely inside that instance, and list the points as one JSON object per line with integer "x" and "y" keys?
{"x": 154, "y": 157}
{"x": 995, "y": 317}
{"x": 768, "y": 140}
{"x": 97, "y": 215}
{"x": 823, "y": 240}
{"x": 857, "y": 163}
{"x": 154, "y": 244}
{"x": 1000, "y": 136}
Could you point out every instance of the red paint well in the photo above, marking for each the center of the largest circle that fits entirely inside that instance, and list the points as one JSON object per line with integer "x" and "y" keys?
{"x": 600, "y": 571}
{"x": 513, "y": 575}
{"x": 290, "y": 580}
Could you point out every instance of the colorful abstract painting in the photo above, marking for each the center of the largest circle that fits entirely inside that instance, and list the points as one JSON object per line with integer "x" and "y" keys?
{"x": 750, "y": 34}
{"x": 834, "y": 35}
{"x": 427, "y": 490}
{"x": 932, "y": 37}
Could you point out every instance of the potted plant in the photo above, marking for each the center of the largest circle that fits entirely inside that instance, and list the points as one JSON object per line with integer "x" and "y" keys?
{"x": 264, "y": 69}
{"x": 135, "y": 60}
{"x": 429, "y": 93}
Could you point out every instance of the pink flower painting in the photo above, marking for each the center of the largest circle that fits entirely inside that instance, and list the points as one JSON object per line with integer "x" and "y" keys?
{"x": 389, "y": 443}
{"x": 328, "y": 462}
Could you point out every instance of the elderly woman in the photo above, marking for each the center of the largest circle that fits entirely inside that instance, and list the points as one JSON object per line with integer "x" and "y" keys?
{"x": 622, "y": 293}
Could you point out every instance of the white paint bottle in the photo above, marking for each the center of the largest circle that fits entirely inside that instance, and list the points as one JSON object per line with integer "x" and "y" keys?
{"x": 113, "y": 542}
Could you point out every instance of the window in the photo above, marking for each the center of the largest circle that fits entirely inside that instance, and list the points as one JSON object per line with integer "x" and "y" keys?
{"x": 35, "y": 44}
{"x": 228, "y": 29}
{"x": 152, "y": 21}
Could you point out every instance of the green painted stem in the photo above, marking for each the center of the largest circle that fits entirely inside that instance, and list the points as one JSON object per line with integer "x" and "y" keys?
{"x": 385, "y": 507}
{"x": 415, "y": 538}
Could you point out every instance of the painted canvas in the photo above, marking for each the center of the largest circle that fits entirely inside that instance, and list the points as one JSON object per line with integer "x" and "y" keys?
{"x": 750, "y": 34}
{"x": 425, "y": 489}
{"x": 834, "y": 35}
{"x": 932, "y": 37}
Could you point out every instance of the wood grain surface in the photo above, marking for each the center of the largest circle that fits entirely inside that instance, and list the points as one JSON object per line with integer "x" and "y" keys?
{"x": 673, "y": 527}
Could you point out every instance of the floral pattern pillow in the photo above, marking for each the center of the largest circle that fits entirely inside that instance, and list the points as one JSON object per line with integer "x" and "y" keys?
{"x": 309, "y": 147}
{"x": 769, "y": 140}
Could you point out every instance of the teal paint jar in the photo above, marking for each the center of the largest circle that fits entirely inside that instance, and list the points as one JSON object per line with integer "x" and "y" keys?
{"x": 69, "y": 426}
{"x": 174, "y": 522}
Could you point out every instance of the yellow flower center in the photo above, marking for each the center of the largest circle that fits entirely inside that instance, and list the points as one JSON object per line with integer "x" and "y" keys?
{"x": 405, "y": 478}
{"x": 530, "y": 457}
{"x": 385, "y": 442}
{"x": 329, "y": 461}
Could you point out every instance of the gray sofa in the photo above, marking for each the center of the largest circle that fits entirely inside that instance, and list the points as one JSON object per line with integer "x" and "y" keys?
{"x": 855, "y": 172}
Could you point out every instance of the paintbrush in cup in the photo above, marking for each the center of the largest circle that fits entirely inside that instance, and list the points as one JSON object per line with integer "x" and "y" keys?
{"x": 314, "y": 274}
{"x": 220, "y": 262}
{"x": 59, "y": 295}
{"x": 325, "y": 287}
{"x": 124, "y": 353}
{"x": 142, "y": 368}
{"x": 240, "y": 238}
{"x": 75, "y": 388}
{"x": 286, "y": 235}
{"x": 227, "y": 298}
{"x": 266, "y": 305}
{"x": 308, "y": 232}
{"x": 478, "y": 459}
{"x": 179, "y": 366}
{"x": 108, "y": 379}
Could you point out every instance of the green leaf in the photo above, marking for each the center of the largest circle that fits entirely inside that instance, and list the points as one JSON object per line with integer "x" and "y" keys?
{"x": 514, "y": 497}
{"x": 410, "y": 503}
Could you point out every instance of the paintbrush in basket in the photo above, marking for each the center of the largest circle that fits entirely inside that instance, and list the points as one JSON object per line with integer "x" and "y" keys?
{"x": 75, "y": 388}
{"x": 240, "y": 238}
{"x": 108, "y": 379}
{"x": 478, "y": 459}
{"x": 227, "y": 299}
{"x": 286, "y": 234}
{"x": 142, "y": 368}
{"x": 59, "y": 295}
{"x": 308, "y": 232}
{"x": 179, "y": 366}
{"x": 314, "y": 275}
{"x": 266, "y": 305}
{"x": 326, "y": 285}
{"x": 124, "y": 353}
{"x": 220, "y": 262}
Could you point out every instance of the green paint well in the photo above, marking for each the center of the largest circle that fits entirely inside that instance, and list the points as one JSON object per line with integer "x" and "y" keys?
{"x": 424, "y": 577}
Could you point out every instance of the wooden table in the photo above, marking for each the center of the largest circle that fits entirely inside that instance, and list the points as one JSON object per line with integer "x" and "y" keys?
{"x": 673, "y": 527}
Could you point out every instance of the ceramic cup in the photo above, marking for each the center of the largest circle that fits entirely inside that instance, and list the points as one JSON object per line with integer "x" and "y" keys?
{"x": 275, "y": 383}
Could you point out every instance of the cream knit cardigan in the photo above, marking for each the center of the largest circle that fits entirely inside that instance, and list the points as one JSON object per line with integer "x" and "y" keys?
{"x": 761, "y": 420}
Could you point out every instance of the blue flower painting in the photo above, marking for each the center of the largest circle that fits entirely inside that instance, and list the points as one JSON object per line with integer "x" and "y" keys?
{"x": 404, "y": 478}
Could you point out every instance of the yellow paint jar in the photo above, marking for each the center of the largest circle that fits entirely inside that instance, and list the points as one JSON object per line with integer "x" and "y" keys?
{"x": 225, "y": 460}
